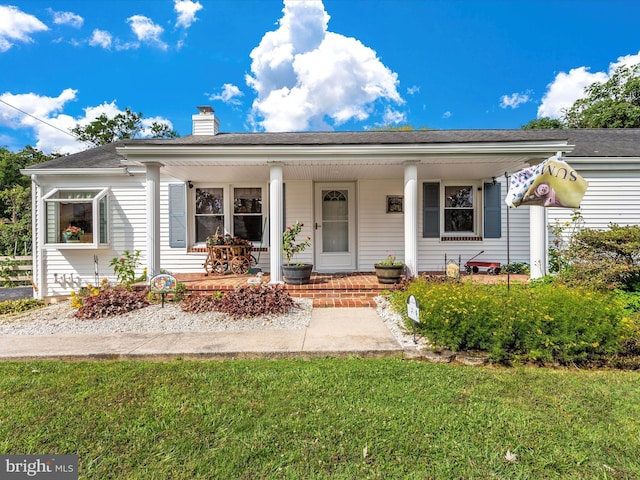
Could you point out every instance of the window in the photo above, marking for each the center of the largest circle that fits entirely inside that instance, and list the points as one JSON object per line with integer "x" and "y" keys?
{"x": 215, "y": 212}
{"x": 247, "y": 213}
{"x": 459, "y": 212}
{"x": 77, "y": 217}
{"x": 209, "y": 212}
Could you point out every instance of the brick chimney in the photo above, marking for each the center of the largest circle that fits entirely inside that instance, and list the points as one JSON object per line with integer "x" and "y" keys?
{"x": 205, "y": 123}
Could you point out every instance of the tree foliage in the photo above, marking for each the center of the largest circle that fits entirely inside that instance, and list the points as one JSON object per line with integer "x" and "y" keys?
{"x": 611, "y": 104}
{"x": 15, "y": 199}
{"x": 543, "y": 123}
{"x": 104, "y": 130}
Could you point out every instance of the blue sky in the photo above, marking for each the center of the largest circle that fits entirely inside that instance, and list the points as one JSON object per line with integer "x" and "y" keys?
{"x": 273, "y": 65}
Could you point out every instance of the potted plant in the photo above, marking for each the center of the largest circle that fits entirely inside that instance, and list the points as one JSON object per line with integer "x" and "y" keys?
{"x": 72, "y": 234}
{"x": 297, "y": 273}
{"x": 389, "y": 270}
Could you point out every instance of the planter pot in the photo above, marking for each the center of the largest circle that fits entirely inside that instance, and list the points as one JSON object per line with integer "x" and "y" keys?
{"x": 389, "y": 274}
{"x": 297, "y": 274}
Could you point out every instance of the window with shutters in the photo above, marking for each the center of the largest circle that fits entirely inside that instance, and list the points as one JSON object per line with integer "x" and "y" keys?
{"x": 461, "y": 210}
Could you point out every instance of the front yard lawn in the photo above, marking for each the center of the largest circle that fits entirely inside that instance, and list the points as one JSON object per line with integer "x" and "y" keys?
{"x": 331, "y": 418}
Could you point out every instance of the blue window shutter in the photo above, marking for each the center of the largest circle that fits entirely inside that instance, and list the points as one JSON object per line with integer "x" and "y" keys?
{"x": 492, "y": 210}
{"x": 431, "y": 210}
{"x": 177, "y": 215}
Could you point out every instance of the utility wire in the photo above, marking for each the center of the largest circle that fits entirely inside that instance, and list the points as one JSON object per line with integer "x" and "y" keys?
{"x": 67, "y": 132}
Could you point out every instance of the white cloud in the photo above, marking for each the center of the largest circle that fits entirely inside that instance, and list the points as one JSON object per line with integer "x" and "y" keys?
{"x": 186, "y": 10}
{"x": 514, "y": 100}
{"x": 413, "y": 90}
{"x": 16, "y": 26}
{"x": 50, "y": 129}
{"x": 305, "y": 75}
{"x": 566, "y": 88}
{"x": 446, "y": 115}
{"x": 67, "y": 18}
{"x": 101, "y": 38}
{"x": 229, "y": 94}
{"x": 146, "y": 31}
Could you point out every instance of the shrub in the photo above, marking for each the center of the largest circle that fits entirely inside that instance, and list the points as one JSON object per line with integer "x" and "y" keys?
{"x": 110, "y": 302}
{"x": 253, "y": 301}
{"x": 602, "y": 259}
{"x": 539, "y": 323}
{"x": 201, "y": 303}
{"x": 20, "y": 305}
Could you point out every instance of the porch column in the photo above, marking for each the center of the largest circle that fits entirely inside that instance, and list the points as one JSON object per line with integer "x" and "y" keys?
{"x": 538, "y": 241}
{"x": 275, "y": 222}
{"x": 153, "y": 218}
{"x": 411, "y": 218}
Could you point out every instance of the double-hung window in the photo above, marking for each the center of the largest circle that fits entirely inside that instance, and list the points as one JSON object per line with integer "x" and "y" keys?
{"x": 235, "y": 210}
{"x": 77, "y": 217}
{"x": 461, "y": 210}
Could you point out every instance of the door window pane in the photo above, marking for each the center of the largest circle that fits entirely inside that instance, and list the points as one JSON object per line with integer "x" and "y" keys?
{"x": 335, "y": 221}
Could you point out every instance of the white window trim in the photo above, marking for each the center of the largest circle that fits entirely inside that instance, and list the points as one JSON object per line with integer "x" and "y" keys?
{"x": 227, "y": 208}
{"x": 102, "y": 193}
{"x": 476, "y": 186}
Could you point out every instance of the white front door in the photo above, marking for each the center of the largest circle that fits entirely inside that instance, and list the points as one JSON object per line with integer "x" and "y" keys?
{"x": 335, "y": 230}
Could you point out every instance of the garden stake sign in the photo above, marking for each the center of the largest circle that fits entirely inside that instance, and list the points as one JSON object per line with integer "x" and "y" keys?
{"x": 413, "y": 312}
{"x": 163, "y": 284}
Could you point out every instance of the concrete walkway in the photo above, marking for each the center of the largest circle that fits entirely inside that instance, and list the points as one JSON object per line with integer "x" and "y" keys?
{"x": 332, "y": 332}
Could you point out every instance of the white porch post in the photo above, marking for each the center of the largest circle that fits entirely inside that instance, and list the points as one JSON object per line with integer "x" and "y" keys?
{"x": 538, "y": 241}
{"x": 411, "y": 218}
{"x": 275, "y": 222}
{"x": 153, "y": 219}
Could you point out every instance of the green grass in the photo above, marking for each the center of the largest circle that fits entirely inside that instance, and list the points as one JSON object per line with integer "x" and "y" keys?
{"x": 333, "y": 418}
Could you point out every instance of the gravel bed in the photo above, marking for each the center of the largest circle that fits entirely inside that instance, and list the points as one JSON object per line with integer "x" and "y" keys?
{"x": 395, "y": 324}
{"x": 59, "y": 319}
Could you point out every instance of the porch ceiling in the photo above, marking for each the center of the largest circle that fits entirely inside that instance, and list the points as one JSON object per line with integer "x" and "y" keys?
{"x": 446, "y": 168}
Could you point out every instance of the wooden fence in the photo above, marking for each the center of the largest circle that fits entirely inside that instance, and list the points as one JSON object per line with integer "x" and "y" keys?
{"x": 16, "y": 269}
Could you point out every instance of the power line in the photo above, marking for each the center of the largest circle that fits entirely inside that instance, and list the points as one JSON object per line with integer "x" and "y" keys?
{"x": 42, "y": 121}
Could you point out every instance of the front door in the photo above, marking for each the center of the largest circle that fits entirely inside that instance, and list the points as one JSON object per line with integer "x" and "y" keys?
{"x": 335, "y": 232}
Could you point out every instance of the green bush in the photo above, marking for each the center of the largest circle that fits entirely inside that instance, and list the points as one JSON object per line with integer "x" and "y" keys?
{"x": 525, "y": 323}
{"x": 20, "y": 305}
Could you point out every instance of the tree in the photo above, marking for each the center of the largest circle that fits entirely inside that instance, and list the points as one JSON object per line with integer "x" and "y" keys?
{"x": 104, "y": 130}
{"x": 612, "y": 104}
{"x": 15, "y": 199}
{"x": 544, "y": 122}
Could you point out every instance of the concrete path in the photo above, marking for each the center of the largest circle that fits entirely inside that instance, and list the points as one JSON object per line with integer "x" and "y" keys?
{"x": 331, "y": 332}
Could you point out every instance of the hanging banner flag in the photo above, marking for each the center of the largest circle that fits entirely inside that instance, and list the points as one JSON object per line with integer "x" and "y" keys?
{"x": 553, "y": 183}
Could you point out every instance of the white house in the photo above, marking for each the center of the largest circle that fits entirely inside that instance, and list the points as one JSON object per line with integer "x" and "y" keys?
{"x": 422, "y": 196}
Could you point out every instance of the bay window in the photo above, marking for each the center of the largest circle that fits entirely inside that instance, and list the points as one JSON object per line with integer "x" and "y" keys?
{"x": 77, "y": 217}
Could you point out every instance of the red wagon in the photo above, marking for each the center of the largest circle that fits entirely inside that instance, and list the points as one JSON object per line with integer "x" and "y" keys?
{"x": 493, "y": 268}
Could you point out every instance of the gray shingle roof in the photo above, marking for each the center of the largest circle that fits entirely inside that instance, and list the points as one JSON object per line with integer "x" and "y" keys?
{"x": 588, "y": 142}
